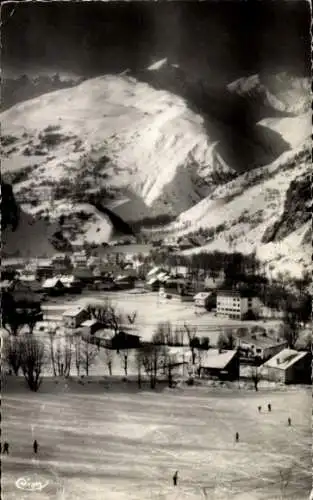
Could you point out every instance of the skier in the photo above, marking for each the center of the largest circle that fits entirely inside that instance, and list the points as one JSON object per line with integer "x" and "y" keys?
{"x": 175, "y": 478}
{"x": 35, "y": 447}
{"x": 5, "y": 448}
{"x": 237, "y": 437}
{"x": 259, "y": 408}
{"x": 269, "y": 407}
{"x": 289, "y": 421}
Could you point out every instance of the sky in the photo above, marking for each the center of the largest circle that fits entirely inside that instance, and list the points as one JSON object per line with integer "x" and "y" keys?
{"x": 90, "y": 38}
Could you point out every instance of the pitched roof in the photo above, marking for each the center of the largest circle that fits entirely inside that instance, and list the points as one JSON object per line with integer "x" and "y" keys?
{"x": 73, "y": 312}
{"x": 154, "y": 270}
{"x": 215, "y": 359}
{"x": 202, "y": 295}
{"x": 89, "y": 322}
{"x": 285, "y": 359}
{"x": 51, "y": 282}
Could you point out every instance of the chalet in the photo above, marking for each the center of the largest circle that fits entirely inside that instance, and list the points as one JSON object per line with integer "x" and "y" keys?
{"x": 90, "y": 326}
{"x": 71, "y": 283}
{"x": 185, "y": 244}
{"x": 289, "y": 367}
{"x": 73, "y": 318}
{"x": 202, "y": 300}
{"x": 53, "y": 286}
{"x": 220, "y": 364}
{"x": 237, "y": 305}
{"x": 153, "y": 284}
{"x": 260, "y": 346}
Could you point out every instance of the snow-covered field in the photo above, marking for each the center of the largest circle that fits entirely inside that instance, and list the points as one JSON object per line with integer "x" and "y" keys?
{"x": 152, "y": 310}
{"x": 100, "y": 443}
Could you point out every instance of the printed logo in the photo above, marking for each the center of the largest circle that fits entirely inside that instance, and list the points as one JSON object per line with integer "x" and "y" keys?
{"x": 44, "y": 484}
{"x": 31, "y": 483}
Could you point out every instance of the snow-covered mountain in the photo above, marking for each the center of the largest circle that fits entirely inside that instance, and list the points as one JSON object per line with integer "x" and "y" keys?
{"x": 150, "y": 144}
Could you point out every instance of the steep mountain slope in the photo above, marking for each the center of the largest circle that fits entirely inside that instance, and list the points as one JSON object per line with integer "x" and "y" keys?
{"x": 149, "y": 137}
{"x": 167, "y": 147}
{"x": 264, "y": 210}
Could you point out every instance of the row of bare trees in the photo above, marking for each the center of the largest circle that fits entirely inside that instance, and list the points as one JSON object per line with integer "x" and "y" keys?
{"x": 27, "y": 355}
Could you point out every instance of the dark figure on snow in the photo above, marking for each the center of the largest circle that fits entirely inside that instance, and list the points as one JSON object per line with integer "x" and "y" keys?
{"x": 289, "y": 421}
{"x": 259, "y": 408}
{"x": 35, "y": 446}
{"x": 269, "y": 407}
{"x": 5, "y": 448}
{"x": 237, "y": 437}
{"x": 175, "y": 478}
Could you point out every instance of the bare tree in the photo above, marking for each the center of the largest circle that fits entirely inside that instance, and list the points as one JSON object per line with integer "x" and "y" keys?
{"x": 32, "y": 361}
{"x": 78, "y": 353}
{"x": 290, "y": 329}
{"x": 100, "y": 312}
{"x": 179, "y": 336}
{"x": 108, "y": 357}
{"x": 151, "y": 360}
{"x": 226, "y": 340}
{"x": 51, "y": 335}
{"x": 193, "y": 340}
{"x": 168, "y": 361}
{"x": 63, "y": 356}
{"x": 256, "y": 376}
{"x": 123, "y": 353}
{"x": 89, "y": 353}
{"x": 164, "y": 333}
{"x": 139, "y": 365}
{"x": 13, "y": 323}
{"x": 12, "y": 353}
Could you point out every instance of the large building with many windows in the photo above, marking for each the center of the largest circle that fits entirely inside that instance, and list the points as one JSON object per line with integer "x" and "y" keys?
{"x": 236, "y": 304}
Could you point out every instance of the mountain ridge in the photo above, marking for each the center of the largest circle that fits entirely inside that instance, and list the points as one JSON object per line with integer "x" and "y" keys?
{"x": 146, "y": 149}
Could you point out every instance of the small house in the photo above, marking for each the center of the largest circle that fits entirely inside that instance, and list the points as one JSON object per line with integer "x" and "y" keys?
{"x": 222, "y": 364}
{"x": 71, "y": 283}
{"x": 202, "y": 300}
{"x": 289, "y": 367}
{"x": 260, "y": 346}
{"x": 53, "y": 286}
{"x": 73, "y": 318}
{"x": 153, "y": 284}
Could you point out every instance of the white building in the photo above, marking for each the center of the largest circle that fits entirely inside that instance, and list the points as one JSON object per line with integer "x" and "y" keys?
{"x": 74, "y": 317}
{"x": 236, "y": 305}
{"x": 202, "y": 299}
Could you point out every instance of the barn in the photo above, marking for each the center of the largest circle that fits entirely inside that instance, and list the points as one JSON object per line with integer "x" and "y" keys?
{"x": 222, "y": 364}
{"x": 289, "y": 367}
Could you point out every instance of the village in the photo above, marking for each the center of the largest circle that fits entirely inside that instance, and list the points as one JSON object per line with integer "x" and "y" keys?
{"x": 123, "y": 303}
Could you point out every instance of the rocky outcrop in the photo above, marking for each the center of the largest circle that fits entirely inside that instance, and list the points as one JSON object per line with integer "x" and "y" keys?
{"x": 296, "y": 212}
{"x": 9, "y": 209}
